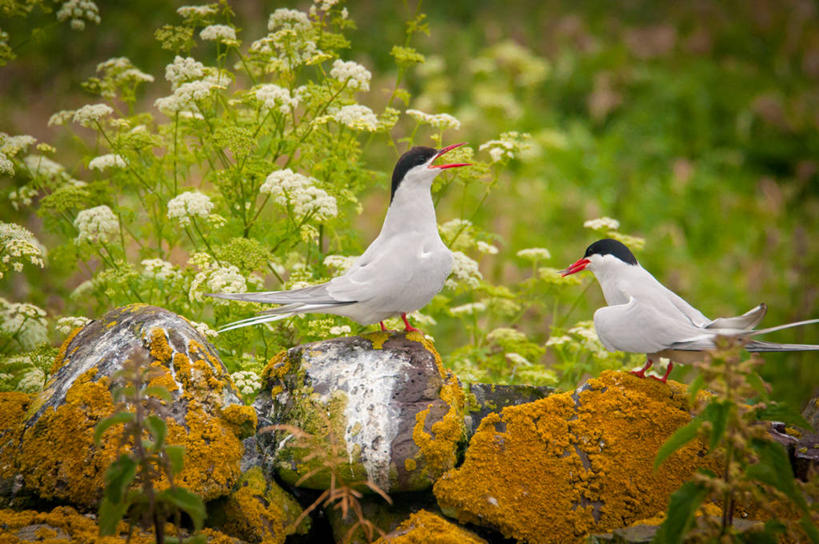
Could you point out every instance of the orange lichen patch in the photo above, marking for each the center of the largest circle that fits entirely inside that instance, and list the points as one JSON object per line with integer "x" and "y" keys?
{"x": 60, "y": 359}
{"x": 430, "y": 347}
{"x": 425, "y": 527}
{"x": 259, "y": 511}
{"x": 274, "y": 372}
{"x": 160, "y": 349}
{"x": 437, "y": 450}
{"x": 242, "y": 419}
{"x": 556, "y": 469}
{"x": 13, "y": 408}
{"x": 377, "y": 339}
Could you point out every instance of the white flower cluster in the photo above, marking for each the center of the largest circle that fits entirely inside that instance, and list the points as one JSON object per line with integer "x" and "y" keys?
{"x": 25, "y": 322}
{"x": 98, "y": 224}
{"x": 190, "y": 204}
{"x": 204, "y": 329}
{"x": 274, "y": 97}
{"x": 340, "y": 330}
{"x": 340, "y": 263}
{"x": 510, "y": 145}
{"x": 184, "y": 69}
{"x": 68, "y": 323}
{"x": 325, "y": 5}
{"x": 42, "y": 166}
{"x": 534, "y": 254}
{"x": 291, "y": 19}
{"x": 22, "y": 196}
{"x": 300, "y": 193}
{"x": 487, "y": 248}
{"x": 79, "y": 11}
{"x": 247, "y": 381}
{"x": 89, "y": 114}
{"x": 159, "y": 269}
{"x": 11, "y": 146}
{"x": 602, "y": 223}
{"x": 109, "y": 160}
{"x": 506, "y": 335}
{"x": 197, "y": 11}
{"x": 214, "y": 278}
{"x": 517, "y": 359}
{"x": 471, "y": 308}
{"x": 464, "y": 271}
{"x": 356, "y": 76}
{"x": 32, "y": 381}
{"x": 186, "y": 96}
{"x": 6, "y": 166}
{"x": 357, "y": 117}
{"x": 219, "y": 33}
{"x": 441, "y": 121}
{"x": 18, "y": 246}
{"x": 118, "y": 72}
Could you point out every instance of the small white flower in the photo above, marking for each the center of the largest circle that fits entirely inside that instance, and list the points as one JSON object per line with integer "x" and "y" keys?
{"x": 109, "y": 160}
{"x": 217, "y": 279}
{"x": 506, "y": 335}
{"x": 204, "y": 329}
{"x": 464, "y": 271}
{"x": 340, "y": 330}
{"x": 602, "y": 223}
{"x": 517, "y": 359}
{"x": 510, "y": 145}
{"x": 198, "y": 11}
{"x": 292, "y": 19}
{"x": 534, "y": 254}
{"x": 12, "y": 145}
{"x": 489, "y": 249}
{"x": 60, "y": 118}
{"x": 25, "y": 322}
{"x": 325, "y": 5}
{"x": 6, "y": 166}
{"x": 42, "y": 166}
{"x": 92, "y": 113}
{"x": 32, "y": 381}
{"x": 558, "y": 340}
{"x": 219, "y": 33}
{"x": 183, "y": 69}
{"x": 274, "y": 97}
{"x": 97, "y": 224}
{"x": 468, "y": 309}
{"x": 79, "y": 11}
{"x": 18, "y": 246}
{"x": 441, "y": 121}
{"x": 187, "y": 205}
{"x": 68, "y": 323}
{"x": 159, "y": 269}
{"x": 340, "y": 263}
{"x": 357, "y": 117}
{"x": 247, "y": 381}
{"x": 300, "y": 193}
{"x": 356, "y": 76}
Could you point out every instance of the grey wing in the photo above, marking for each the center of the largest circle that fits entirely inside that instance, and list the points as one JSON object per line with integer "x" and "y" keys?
{"x": 746, "y": 321}
{"x": 315, "y": 294}
{"x": 640, "y": 328}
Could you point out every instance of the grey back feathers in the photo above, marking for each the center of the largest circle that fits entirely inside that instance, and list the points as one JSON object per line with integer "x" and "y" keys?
{"x": 608, "y": 246}
{"x": 416, "y": 156}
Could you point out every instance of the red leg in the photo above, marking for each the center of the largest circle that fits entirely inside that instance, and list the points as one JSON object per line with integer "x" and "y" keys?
{"x": 383, "y": 328}
{"x": 408, "y": 327}
{"x": 642, "y": 372}
{"x": 664, "y": 379}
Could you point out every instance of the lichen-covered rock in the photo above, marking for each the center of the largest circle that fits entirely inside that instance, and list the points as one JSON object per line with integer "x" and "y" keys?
{"x": 485, "y": 398}
{"x": 425, "y": 527}
{"x": 385, "y": 400}
{"x": 64, "y": 525}
{"x": 258, "y": 510}
{"x": 58, "y": 458}
{"x": 13, "y": 406}
{"x": 574, "y": 463}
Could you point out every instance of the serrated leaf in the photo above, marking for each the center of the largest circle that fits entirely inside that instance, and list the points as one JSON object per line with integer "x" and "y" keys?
{"x": 717, "y": 413}
{"x": 159, "y": 392}
{"x": 109, "y": 515}
{"x": 783, "y": 413}
{"x": 186, "y": 501}
{"x": 176, "y": 455}
{"x": 774, "y": 469}
{"x": 680, "y": 438}
{"x": 118, "y": 477}
{"x": 159, "y": 430}
{"x": 107, "y": 423}
{"x": 681, "y": 511}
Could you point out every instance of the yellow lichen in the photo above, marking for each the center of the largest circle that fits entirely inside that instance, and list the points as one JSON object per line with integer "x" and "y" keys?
{"x": 424, "y": 527}
{"x": 13, "y": 406}
{"x": 242, "y": 419}
{"x": 437, "y": 449}
{"x": 377, "y": 339}
{"x": 60, "y": 359}
{"x": 410, "y": 464}
{"x": 561, "y": 467}
{"x": 160, "y": 349}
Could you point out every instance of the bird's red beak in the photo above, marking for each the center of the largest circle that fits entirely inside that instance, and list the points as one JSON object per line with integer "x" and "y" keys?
{"x": 579, "y": 265}
{"x": 446, "y": 150}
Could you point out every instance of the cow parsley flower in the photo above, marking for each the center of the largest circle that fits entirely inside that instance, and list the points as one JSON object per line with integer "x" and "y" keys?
{"x": 274, "y": 97}
{"x": 340, "y": 330}
{"x": 109, "y": 160}
{"x": 441, "y": 121}
{"x": 68, "y": 323}
{"x": 184, "y": 69}
{"x": 42, "y": 166}
{"x": 299, "y": 192}
{"x": 219, "y": 33}
{"x": 12, "y": 145}
{"x": 159, "y": 269}
{"x": 292, "y": 19}
{"x": 90, "y": 114}
{"x": 79, "y": 11}
{"x": 216, "y": 279}
{"x": 487, "y": 248}
{"x": 6, "y": 166}
{"x": 506, "y": 335}
{"x": 509, "y": 146}
{"x": 19, "y": 246}
{"x": 340, "y": 263}
{"x": 357, "y": 117}
{"x": 247, "y": 381}
{"x": 517, "y": 359}
{"x": 471, "y": 308}
{"x": 197, "y": 11}
{"x": 187, "y": 205}
{"x": 60, "y": 118}
{"x": 602, "y": 223}
{"x": 558, "y": 340}
{"x": 204, "y": 329}
{"x": 25, "y": 322}
{"x": 356, "y": 76}
{"x": 97, "y": 224}
{"x": 22, "y": 196}
{"x": 534, "y": 254}
{"x": 464, "y": 271}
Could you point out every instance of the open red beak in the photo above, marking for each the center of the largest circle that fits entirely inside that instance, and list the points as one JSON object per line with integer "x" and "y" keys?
{"x": 446, "y": 150}
{"x": 579, "y": 265}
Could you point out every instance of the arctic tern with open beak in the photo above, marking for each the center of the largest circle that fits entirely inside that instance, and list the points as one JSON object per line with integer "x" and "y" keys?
{"x": 404, "y": 267}
{"x": 644, "y": 316}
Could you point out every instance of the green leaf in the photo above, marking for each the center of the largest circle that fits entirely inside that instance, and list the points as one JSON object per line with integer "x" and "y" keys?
{"x": 186, "y": 501}
{"x": 680, "y": 438}
{"x": 774, "y": 469}
{"x": 159, "y": 430}
{"x": 176, "y": 455}
{"x": 107, "y": 423}
{"x": 695, "y": 387}
{"x": 109, "y": 515}
{"x": 756, "y": 381}
{"x": 159, "y": 392}
{"x": 717, "y": 414}
{"x": 810, "y": 528}
{"x": 784, "y": 413}
{"x": 118, "y": 477}
{"x": 681, "y": 511}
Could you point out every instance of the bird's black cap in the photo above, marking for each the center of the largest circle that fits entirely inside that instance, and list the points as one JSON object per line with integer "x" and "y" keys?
{"x": 416, "y": 156}
{"x": 607, "y": 246}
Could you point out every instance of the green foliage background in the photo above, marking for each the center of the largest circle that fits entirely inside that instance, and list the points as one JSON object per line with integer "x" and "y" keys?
{"x": 693, "y": 124}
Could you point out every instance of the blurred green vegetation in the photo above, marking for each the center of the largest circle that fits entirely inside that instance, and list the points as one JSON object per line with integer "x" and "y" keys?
{"x": 693, "y": 124}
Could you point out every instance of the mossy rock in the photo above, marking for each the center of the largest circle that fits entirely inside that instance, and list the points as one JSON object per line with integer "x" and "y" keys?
{"x": 560, "y": 468}
{"x": 428, "y": 528}
{"x": 384, "y": 403}
{"x": 58, "y": 458}
{"x": 485, "y": 398}
{"x": 13, "y": 406}
{"x": 64, "y": 525}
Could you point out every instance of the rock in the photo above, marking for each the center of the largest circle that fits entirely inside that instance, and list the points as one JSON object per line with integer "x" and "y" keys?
{"x": 64, "y": 525}
{"x": 559, "y": 468}
{"x": 429, "y": 528}
{"x": 58, "y": 458}
{"x": 258, "y": 510}
{"x": 381, "y": 404}
{"x": 13, "y": 406}
{"x": 485, "y": 398}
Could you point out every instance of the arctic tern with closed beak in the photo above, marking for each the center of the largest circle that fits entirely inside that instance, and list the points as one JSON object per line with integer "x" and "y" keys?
{"x": 404, "y": 267}
{"x": 644, "y": 316}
